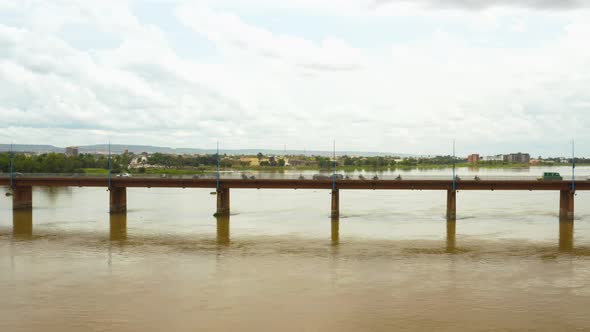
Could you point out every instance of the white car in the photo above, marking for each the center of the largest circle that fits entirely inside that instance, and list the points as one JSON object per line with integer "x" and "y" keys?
{"x": 124, "y": 175}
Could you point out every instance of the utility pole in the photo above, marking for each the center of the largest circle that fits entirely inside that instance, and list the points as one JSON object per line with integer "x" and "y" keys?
{"x": 454, "y": 176}
{"x": 334, "y": 172}
{"x": 217, "y": 185}
{"x": 573, "y": 167}
{"x": 110, "y": 166}
{"x": 11, "y": 167}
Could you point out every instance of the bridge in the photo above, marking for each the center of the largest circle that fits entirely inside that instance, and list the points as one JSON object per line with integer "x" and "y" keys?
{"x": 22, "y": 197}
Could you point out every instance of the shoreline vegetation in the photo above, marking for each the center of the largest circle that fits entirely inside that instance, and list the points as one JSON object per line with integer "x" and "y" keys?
{"x": 157, "y": 163}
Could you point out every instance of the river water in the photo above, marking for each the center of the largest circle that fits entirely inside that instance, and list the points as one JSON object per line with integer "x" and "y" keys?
{"x": 391, "y": 261}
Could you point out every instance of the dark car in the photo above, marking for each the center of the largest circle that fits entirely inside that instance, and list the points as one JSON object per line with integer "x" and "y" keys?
{"x": 551, "y": 176}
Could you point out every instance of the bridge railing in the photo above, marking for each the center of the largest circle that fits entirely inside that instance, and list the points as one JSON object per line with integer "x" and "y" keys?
{"x": 298, "y": 176}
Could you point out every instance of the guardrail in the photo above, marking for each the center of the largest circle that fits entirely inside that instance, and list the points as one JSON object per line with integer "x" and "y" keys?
{"x": 295, "y": 176}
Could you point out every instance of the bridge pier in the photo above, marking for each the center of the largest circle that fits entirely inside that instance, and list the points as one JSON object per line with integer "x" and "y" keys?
{"x": 335, "y": 203}
{"x": 223, "y": 230}
{"x": 118, "y": 199}
{"x": 451, "y": 235}
{"x": 118, "y": 226}
{"x": 22, "y": 197}
{"x": 566, "y": 235}
{"x": 566, "y": 205}
{"x": 335, "y": 231}
{"x": 451, "y": 204}
{"x": 22, "y": 223}
{"x": 222, "y": 202}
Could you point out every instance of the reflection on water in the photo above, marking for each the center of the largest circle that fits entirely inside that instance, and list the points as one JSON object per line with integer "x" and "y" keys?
{"x": 451, "y": 232}
{"x": 566, "y": 236}
{"x": 335, "y": 230}
{"x": 52, "y": 194}
{"x": 22, "y": 223}
{"x": 223, "y": 230}
{"x": 118, "y": 226}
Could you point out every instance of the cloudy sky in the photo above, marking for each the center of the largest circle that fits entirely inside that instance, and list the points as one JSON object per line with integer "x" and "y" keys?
{"x": 376, "y": 75}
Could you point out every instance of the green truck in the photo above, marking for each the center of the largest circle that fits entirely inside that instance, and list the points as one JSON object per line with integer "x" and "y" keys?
{"x": 551, "y": 176}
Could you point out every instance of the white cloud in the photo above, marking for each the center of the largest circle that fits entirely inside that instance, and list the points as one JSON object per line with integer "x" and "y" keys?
{"x": 265, "y": 88}
{"x": 232, "y": 35}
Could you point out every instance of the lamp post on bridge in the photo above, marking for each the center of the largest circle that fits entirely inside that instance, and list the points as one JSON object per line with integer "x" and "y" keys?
{"x": 573, "y": 167}
{"x": 110, "y": 167}
{"x": 454, "y": 175}
{"x": 334, "y": 170}
{"x": 452, "y": 194}
{"x": 11, "y": 167}
{"x": 217, "y": 182}
{"x": 223, "y": 205}
{"x": 335, "y": 211}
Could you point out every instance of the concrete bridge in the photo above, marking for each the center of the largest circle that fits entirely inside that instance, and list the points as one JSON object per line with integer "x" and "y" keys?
{"x": 23, "y": 198}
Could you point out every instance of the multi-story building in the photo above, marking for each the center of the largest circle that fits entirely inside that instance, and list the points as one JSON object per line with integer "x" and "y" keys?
{"x": 498, "y": 157}
{"x": 473, "y": 158}
{"x": 72, "y": 151}
{"x": 523, "y": 158}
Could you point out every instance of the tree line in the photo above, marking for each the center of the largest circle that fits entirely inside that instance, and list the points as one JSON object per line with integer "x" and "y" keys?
{"x": 60, "y": 163}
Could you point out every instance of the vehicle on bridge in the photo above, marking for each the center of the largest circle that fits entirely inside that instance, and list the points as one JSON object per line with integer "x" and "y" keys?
{"x": 550, "y": 176}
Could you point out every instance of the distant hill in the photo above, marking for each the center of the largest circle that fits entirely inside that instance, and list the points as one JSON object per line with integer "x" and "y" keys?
{"x": 120, "y": 148}
{"x": 30, "y": 148}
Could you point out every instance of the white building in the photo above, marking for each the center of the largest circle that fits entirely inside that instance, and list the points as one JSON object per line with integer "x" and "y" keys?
{"x": 138, "y": 161}
{"x": 498, "y": 157}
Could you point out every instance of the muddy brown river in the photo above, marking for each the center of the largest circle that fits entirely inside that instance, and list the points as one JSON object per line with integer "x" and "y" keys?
{"x": 391, "y": 262}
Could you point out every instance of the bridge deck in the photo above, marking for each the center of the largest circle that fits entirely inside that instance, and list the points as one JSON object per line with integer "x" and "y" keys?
{"x": 147, "y": 182}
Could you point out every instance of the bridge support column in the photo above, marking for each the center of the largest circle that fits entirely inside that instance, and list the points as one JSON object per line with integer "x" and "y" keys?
{"x": 566, "y": 235}
{"x": 451, "y": 235}
{"x": 222, "y": 202}
{"x": 223, "y": 230}
{"x": 118, "y": 229}
{"x": 335, "y": 203}
{"x": 451, "y": 204}
{"x": 118, "y": 199}
{"x": 22, "y": 223}
{"x": 566, "y": 205}
{"x": 335, "y": 230}
{"x": 22, "y": 198}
